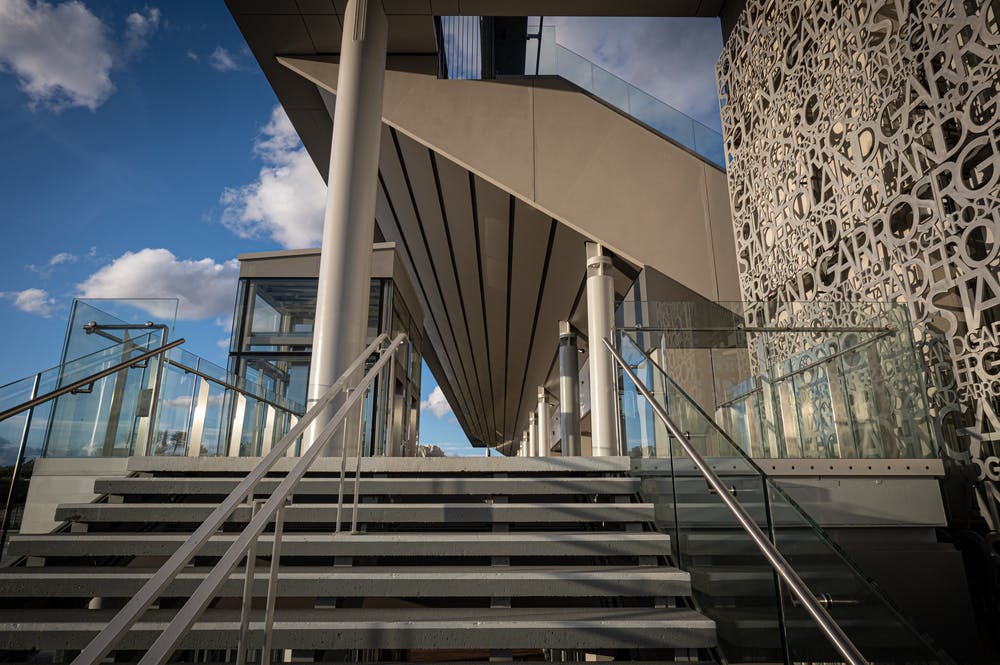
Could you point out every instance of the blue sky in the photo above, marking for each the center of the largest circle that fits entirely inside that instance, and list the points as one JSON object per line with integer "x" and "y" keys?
{"x": 143, "y": 151}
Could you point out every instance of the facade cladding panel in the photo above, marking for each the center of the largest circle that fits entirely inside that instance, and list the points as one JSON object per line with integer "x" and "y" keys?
{"x": 862, "y": 143}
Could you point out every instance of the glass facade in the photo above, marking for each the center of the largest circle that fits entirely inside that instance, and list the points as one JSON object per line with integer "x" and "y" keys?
{"x": 272, "y": 344}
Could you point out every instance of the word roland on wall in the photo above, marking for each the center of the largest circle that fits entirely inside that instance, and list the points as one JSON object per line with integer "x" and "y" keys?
{"x": 862, "y": 145}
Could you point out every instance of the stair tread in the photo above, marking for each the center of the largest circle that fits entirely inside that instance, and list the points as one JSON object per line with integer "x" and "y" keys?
{"x": 372, "y": 486}
{"x": 599, "y": 627}
{"x": 369, "y": 512}
{"x": 534, "y": 543}
{"x": 364, "y": 581}
{"x": 410, "y": 466}
{"x": 370, "y": 572}
{"x": 408, "y": 617}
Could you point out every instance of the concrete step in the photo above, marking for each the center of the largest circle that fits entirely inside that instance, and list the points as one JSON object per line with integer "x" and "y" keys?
{"x": 409, "y": 466}
{"x": 417, "y": 486}
{"x": 397, "y": 628}
{"x": 365, "y": 581}
{"x": 379, "y": 513}
{"x": 593, "y": 543}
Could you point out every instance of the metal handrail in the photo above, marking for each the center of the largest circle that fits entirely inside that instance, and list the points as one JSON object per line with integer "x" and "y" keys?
{"x": 830, "y": 628}
{"x": 96, "y": 376}
{"x": 229, "y": 386}
{"x": 844, "y": 351}
{"x": 130, "y": 613}
{"x": 162, "y": 649}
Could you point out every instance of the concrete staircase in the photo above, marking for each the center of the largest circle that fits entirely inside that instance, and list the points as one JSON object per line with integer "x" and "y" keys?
{"x": 455, "y": 560}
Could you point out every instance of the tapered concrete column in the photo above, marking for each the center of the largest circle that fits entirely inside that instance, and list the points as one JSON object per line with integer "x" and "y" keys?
{"x": 569, "y": 391}
{"x": 532, "y": 435}
{"x": 543, "y": 423}
{"x": 348, "y": 228}
{"x": 600, "y": 325}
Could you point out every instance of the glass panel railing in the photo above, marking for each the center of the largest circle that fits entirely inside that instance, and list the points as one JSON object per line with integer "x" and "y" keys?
{"x": 206, "y": 411}
{"x": 178, "y": 405}
{"x": 544, "y": 56}
{"x": 558, "y": 60}
{"x": 757, "y": 618}
{"x": 820, "y": 380}
{"x": 98, "y": 419}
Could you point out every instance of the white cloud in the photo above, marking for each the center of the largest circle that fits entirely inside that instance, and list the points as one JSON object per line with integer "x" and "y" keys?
{"x": 288, "y": 199}
{"x": 436, "y": 403}
{"x": 56, "y": 260}
{"x": 672, "y": 59}
{"x": 140, "y": 26}
{"x": 62, "y": 54}
{"x": 222, "y": 60}
{"x": 193, "y": 56}
{"x": 62, "y": 257}
{"x": 449, "y": 449}
{"x": 204, "y": 288}
{"x": 31, "y": 301}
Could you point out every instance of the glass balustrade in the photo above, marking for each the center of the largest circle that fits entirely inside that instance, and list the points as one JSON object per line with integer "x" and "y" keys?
{"x": 554, "y": 59}
{"x": 461, "y": 41}
{"x": 812, "y": 380}
{"x": 757, "y": 618}
{"x": 174, "y": 404}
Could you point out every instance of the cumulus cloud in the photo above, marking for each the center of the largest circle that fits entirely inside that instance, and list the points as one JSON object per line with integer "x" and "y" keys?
{"x": 204, "y": 288}
{"x": 288, "y": 199}
{"x": 222, "y": 60}
{"x": 672, "y": 59}
{"x": 140, "y": 26}
{"x": 62, "y": 55}
{"x": 436, "y": 403}
{"x": 31, "y": 301}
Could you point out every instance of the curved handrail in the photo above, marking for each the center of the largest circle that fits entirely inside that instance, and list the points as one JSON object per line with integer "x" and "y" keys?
{"x": 830, "y": 628}
{"x": 130, "y": 613}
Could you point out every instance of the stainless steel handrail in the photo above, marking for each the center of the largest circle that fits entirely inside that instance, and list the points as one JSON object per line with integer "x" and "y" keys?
{"x": 830, "y": 628}
{"x": 79, "y": 383}
{"x": 229, "y": 386}
{"x": 126, "y": 617}
{"x": 163, "y": 647}
{"x": 832, "y": 356}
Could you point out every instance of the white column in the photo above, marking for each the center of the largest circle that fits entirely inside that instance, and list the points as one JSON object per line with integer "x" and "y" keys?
{"x": 532, "y": 435}
{"x": 600, "y": 325}
{"x": 348, "y": 228}
{"x": 569, "y": 391}
{"x": 543, "y": 423}
{"x": 525, "y": 452}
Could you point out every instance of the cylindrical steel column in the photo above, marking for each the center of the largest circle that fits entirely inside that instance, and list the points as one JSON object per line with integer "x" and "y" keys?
{"x": 348, "y": 228}
{"x": 569, "y": 391}
{"x": 525, "y": 452}
{"x": 543, "y": 423}
{"x": 532, "y": 435}
{"x": 600, "y": 325}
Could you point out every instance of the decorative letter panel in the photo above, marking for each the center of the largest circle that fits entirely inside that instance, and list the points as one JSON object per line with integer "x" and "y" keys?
{"x": 862, "y": 144}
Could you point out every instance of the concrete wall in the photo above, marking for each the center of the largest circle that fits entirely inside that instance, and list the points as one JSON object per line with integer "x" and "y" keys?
{"x": 573, "y": 158}
{"x": 64, "y": 480}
